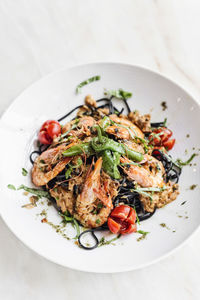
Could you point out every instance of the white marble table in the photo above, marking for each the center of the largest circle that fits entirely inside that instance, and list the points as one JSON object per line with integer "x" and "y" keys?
{"x": 40, "y": 36}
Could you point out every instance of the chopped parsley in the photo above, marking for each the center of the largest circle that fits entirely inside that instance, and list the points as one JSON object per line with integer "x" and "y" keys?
{"x": 193, "y": 186}
{"x": 164, "y": 226}
{"x": 164, "y": 105}
{"x": 85, "y": 82}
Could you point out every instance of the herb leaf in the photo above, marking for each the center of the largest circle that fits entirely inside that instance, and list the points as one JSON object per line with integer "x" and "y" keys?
{"x": 120, "y": 94}
{"x": 69, "y": 219}
{"x": 143, "y": 191}
{"x": 11, "y": 187}
{"x": 37, "y": 192}
{"x": 143, "y": 233}
{"x": 103, "y": 242}
{"x": 182, "y": 163}
{"x": 85, "y": 82}
{"x": 24, "y": 172}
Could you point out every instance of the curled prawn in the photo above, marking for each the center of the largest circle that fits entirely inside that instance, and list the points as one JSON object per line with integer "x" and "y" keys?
{"x": 83, "y": 127}
{"x": 49, "y": 164}
{"x": 125, "y": 130}
{"x": 148, "y": 174}
{"x": 94, "y": 204}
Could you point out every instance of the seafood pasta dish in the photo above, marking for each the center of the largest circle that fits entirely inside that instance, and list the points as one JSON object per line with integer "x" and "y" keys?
{"x": 105, "y": 168}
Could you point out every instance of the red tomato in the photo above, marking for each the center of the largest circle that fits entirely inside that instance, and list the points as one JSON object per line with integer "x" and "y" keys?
{"x": 121, "y": 212}
{"x": 49, "y": 130}
{"x": 169, "y": 144}
{"x": 44, "y": 138}
{"x": 122, "y": 220}
{"x": 132, "y": 217}
{"x": 131, "y": 228}
{"x": 113, "y": 225}
{"x": 159, "y": 136}
{"x": 160, "y": 139}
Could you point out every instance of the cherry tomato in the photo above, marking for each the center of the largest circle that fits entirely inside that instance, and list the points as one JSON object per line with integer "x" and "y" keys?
{"x": 169, "y": 144}
{"x": 122, "y": 220}
{"x": 49, "y": 130}
{"x": 159, "y": 136}
{"x": 131, "y": 228}
{"x": 113, "y": 225}
{"x": 44, "y": 138}
{"x": 121, "y": 212}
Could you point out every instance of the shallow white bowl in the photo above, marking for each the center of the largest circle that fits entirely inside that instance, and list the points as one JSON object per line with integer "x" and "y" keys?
{"x": 52, "y": 97}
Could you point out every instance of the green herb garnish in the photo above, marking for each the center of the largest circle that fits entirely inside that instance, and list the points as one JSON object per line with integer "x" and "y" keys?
{"x": 103, "y": 241}
{"x": 98, "y": 221}
{"x": 120, "y": 94}
{"x": 73, "y": 127}
{"x": 11, "y": 187}
{"x": 37, "y": 192}
{"x": 69, "y": 219}
{"x": 165, "y": 122}
{"x": 165, "y": 226}
{"x": 181, "y": 163}
{"x": 137, "y": 219}
{"x": 24, "y": 172}
{"x": 143, "y": 191}
{"x": 85, "y": 82}
{"x": 193, "y": 186}
{"x": 144, "y": 234}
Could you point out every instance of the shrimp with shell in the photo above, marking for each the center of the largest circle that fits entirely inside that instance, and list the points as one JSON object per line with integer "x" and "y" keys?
{"x": 123, "y": 128}
{"x": 149, "y": 173}
{"x": 94, "y": 204}
{"x": 49, "y": 164}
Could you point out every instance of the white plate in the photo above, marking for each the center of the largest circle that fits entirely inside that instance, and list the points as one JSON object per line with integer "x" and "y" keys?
{"x": 55, "y": 95}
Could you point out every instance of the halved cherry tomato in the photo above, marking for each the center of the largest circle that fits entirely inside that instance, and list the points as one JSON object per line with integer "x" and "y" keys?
{"x": 160, "y": 138}
{"x": 121, "y": 212}
{"x": 113, "y": 225}
{"x": 122, "y": 220}
{"x": 169, "y": 144}
{"x": 49, "y": 130}
{"x": 44, "y": 138}
{"x": 131, "y": 228}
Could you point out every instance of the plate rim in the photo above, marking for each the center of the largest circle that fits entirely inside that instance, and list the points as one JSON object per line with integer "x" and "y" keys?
{"x": 82, "y": 269}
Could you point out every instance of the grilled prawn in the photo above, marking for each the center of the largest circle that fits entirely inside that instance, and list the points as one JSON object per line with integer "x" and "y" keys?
{"x": 49, "y": 164}
{"x": 94, "y": 204}
{"x": 148, "y": 174}
{"x": 125, "y": 130}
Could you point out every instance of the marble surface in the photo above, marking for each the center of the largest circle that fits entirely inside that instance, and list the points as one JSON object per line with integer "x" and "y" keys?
{"x": 40, "y": 36}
